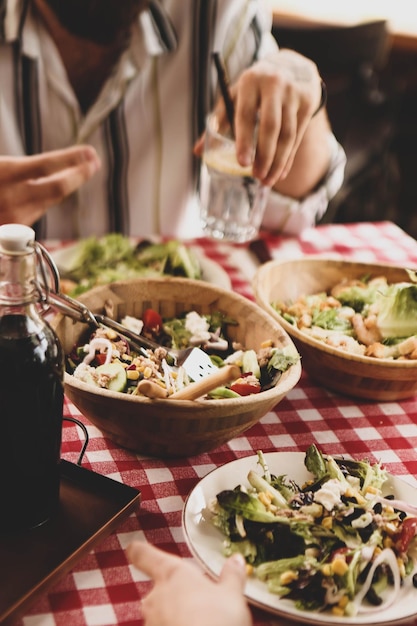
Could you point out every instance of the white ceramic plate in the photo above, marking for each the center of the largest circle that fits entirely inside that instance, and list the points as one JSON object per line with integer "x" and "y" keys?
{"x": 211, "y": 271}
{"x": 205, "y": 541}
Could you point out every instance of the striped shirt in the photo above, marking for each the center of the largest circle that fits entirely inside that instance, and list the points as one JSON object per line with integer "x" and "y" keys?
{"x": 145, "y": 120}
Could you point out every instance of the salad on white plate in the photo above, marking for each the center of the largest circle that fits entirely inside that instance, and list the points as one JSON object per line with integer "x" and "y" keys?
{"x": 340, "y": 547}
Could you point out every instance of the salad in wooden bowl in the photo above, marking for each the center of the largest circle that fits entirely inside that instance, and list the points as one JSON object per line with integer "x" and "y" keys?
{"x": 167, "y": 426}
{"x": 354, "y": 324}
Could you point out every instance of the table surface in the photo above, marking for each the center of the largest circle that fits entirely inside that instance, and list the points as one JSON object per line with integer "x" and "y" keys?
{"x": 103, "y": 589}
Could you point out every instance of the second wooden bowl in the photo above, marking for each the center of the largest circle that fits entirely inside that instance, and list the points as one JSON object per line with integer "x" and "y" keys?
{"x": 343, "y": 372}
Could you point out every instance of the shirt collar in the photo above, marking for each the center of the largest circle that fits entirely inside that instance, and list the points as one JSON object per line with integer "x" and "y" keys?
{"x": 158, "y": 30}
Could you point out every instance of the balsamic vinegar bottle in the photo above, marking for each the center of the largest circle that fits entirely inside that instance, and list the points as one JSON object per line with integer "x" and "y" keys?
{"x": 31, "y": 390}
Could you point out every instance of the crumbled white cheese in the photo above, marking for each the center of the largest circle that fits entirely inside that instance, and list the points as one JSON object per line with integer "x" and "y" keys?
{"x": 132, "y": 323}
{"x": 84, "y": 372}
{"x": 354, "y": 481}
{"x": 235, "y": 358}
{"x": 329, "y": 494}
{"x": 198, "y": 326}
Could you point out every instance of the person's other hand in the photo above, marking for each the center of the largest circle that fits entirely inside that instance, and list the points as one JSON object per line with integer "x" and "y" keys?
{"x": 29, "y": 185}
{"x": 281, "y": 93}
{"x": 183, "y": 596}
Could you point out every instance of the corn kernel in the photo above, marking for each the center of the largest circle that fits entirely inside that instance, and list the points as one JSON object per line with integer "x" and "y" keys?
{"x": 287, "y": 577}
{"x": 343, "y": 602}
{"x": 387, "y": 542}
{"x": 337, "y": 610}
{"x": 371, "y": 489}
{"x": 265, "y": 498}
{"x": 249, "y": 569}
{"x": 339, "y": 566}
{"x": 147, "y": 372}
{"x": 353, "y": 493}
{"x": 132, "y": 374}
{"x": 401, "y": 567}
{"x": 326, "y": 569}
{"x": 267, "y": 344}
{"x": 111, "y": 334}
{"x": 391, "y": 528}
{"x": 327, "y": 522}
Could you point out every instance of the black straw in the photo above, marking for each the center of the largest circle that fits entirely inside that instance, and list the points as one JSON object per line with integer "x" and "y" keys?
{"x": 224, "y": 88}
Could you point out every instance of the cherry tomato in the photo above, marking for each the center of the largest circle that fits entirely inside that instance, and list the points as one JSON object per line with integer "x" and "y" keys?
{"x": 245, "y": 388}
{"x": 100, "y": 358}
{"x": 152, "y": 320}
{"x": 407, "y": 533}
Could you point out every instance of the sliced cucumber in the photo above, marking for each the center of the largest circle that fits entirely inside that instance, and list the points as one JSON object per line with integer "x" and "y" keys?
{"x": 250, "y": 363}
{"x": 222, "y": 392}
{"x": 116, "y": 373}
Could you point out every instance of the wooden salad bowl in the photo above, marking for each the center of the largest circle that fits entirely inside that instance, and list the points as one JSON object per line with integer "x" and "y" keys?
{"x": 168, "y": 427}
{"x": 343, "y": 372}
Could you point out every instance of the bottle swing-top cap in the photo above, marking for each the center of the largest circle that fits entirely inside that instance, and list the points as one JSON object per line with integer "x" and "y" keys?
{"x": 16, "y": 238}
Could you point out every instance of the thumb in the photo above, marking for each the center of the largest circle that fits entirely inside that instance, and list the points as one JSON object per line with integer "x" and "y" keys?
{"x": 234, "y": 573}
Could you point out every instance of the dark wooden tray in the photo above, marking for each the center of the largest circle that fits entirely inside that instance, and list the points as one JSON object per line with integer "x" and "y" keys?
{"x": 91, "y": 506}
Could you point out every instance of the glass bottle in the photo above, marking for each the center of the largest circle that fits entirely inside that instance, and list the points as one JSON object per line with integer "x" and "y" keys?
{"x": 31, "y": 390}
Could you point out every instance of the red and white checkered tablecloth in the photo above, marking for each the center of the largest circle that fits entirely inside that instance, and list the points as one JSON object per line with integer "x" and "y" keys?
{"x": 103, "y": 589}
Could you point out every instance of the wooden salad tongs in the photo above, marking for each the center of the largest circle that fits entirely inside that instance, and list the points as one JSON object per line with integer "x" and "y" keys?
{"x": 194, "y": 360}
{"x": 197, "y": 363}
{"x": 194, "y": 390}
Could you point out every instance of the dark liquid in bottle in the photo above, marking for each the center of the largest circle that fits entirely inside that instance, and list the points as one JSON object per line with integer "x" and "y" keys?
{"x": 31, "y": 402}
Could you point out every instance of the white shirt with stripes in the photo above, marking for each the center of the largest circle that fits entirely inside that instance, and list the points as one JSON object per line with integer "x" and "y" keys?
{"x": 145, "y": 120}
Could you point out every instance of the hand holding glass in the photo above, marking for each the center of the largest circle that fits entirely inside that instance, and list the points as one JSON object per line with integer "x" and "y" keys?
{"x": 232, "y": 201}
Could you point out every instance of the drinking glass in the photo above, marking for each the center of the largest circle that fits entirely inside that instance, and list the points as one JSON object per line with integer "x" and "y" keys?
{"x": 232, "y": 201}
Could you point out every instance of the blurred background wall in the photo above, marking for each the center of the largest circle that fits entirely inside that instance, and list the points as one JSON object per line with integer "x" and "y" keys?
{"x": 367, "y": 53}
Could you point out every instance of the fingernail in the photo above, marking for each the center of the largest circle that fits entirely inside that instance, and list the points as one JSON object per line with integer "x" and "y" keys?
{"x": 91, "y": 155}
{"x": 238, "y": 560}
{"x": 245, "y": 158}
{"x": 94, "y": 160}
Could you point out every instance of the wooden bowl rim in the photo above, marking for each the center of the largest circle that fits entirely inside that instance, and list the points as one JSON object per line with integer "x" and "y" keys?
{"x": 285, "y": 383}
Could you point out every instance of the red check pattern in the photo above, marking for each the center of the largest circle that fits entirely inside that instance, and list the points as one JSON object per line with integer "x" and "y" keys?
{"x": 103, "y": 589}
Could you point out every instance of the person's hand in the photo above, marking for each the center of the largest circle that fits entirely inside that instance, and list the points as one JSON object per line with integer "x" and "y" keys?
{"x": 29, "y": 185}
{"x": 282, "y": 94}
{"x": 183, "y": 596}
{"x": 277, "y": 98}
